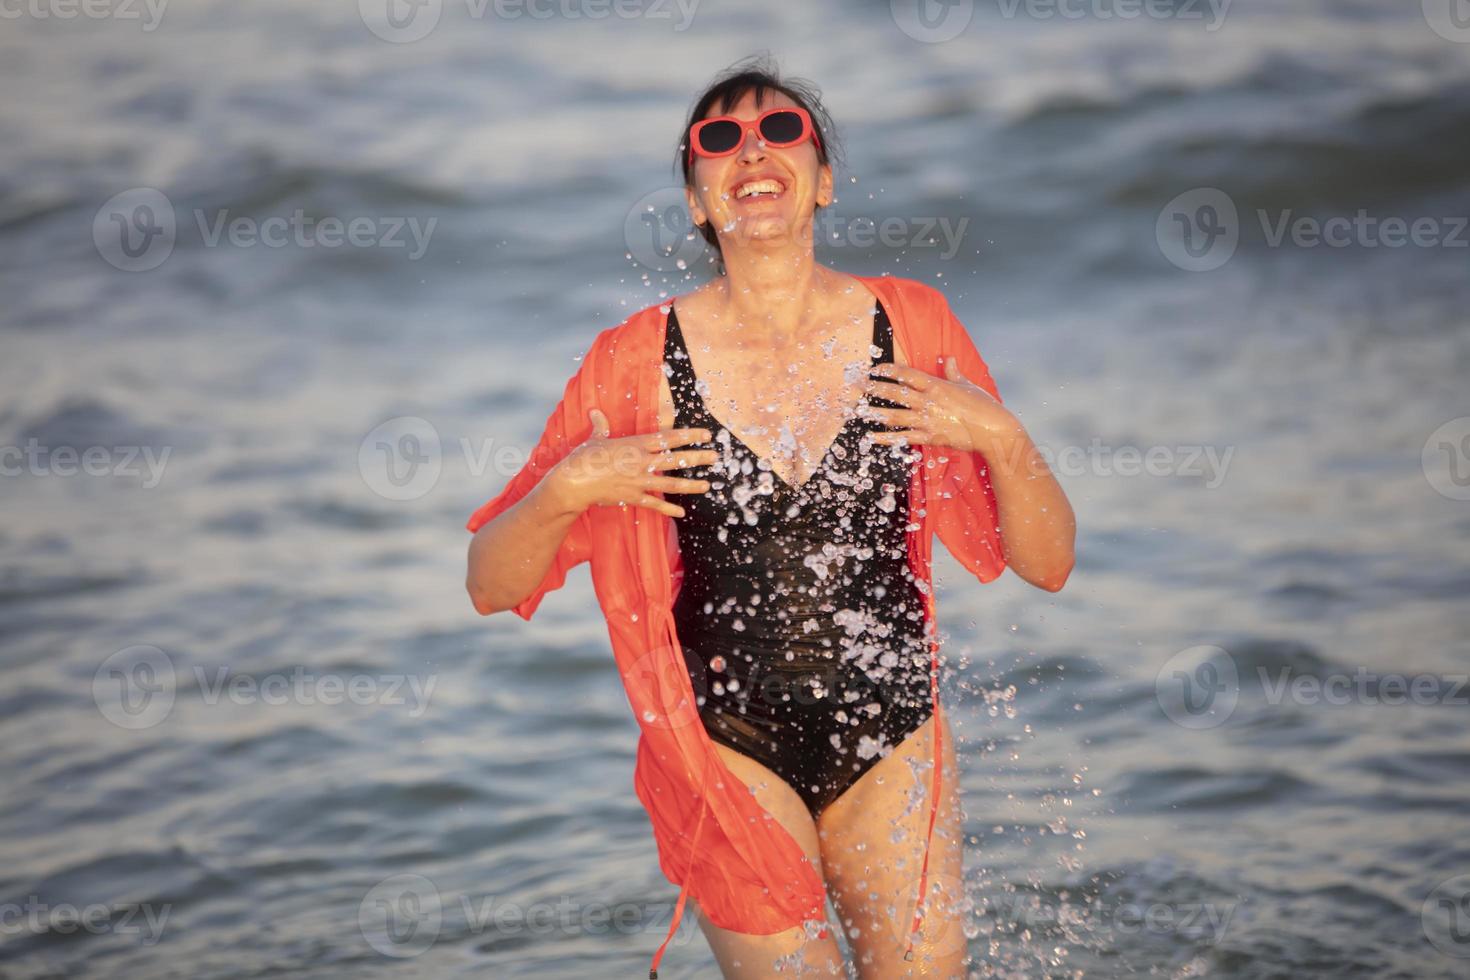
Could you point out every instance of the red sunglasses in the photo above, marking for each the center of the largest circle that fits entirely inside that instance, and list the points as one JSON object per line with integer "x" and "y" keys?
{"x": 723, "y": 135}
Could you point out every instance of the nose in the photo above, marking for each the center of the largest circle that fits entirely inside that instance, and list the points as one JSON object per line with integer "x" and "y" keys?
{"x": 752, "y": 150}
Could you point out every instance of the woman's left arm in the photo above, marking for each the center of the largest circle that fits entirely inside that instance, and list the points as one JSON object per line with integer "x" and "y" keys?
{"x": 1037, "y": 526}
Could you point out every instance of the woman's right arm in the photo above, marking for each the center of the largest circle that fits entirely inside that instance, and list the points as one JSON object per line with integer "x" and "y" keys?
{"x": 514, "y": 552}
{"x": 511, "y": 554}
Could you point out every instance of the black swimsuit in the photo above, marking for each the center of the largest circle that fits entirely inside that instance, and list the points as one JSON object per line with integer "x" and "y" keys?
{"x": 801, "y": 622}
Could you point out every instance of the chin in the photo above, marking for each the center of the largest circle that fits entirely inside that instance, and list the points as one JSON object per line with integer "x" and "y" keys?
{"x": 763, "y": 227}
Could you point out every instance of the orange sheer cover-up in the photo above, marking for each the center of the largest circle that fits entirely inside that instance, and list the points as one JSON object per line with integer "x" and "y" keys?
{"x": 746, "y": 871}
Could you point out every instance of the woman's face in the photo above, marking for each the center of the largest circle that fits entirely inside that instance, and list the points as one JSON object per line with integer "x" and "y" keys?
{"x": 721, "y": 184}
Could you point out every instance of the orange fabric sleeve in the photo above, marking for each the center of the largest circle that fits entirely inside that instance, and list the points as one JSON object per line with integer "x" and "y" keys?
{"x": 566, "y": 428}
{"x": 971, "y": 531}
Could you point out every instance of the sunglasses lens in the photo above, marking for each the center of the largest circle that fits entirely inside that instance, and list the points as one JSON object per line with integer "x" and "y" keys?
{"x": 781, "y": 127}
{"x": 719, "y": 137}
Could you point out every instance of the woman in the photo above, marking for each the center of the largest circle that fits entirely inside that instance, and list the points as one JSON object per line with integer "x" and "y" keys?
{"x": 789, "y": 577}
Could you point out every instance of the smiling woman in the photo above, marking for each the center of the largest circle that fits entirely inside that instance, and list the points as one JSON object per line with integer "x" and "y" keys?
{"x": 785, "y": 669}
{"x": 796, "y": 114}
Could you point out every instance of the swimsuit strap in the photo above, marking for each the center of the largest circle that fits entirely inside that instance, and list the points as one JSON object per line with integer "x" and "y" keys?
{"x": 882, "y": 334}
{"x": 689, "y": 411}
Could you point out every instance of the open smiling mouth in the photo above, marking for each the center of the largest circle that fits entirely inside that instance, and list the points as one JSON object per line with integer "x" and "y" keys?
{"x": 764, "y": 189}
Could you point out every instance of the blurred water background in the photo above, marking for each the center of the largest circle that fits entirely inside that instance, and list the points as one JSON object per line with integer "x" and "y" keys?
{"x": 1138, "y": 803}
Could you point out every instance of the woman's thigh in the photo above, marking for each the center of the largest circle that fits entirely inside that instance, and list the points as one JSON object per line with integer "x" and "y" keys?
{"x": 747, "y": 957}
{"x": 872, "y": 843}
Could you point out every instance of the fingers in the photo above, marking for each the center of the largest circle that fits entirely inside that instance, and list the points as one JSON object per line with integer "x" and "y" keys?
{"x": 678, "y": 484}
{"x": 913, "y": 437}
{"x": 888, "y": 390}
{"x": 652, "y": 441}
{"x": 892, "y": 416}
{"x": 600, "y": 427}
{"x": 685, "y": 460}
{"x": 668, "y": 438}
{"x": 903, "y": 374}
{"x": 662, "y": 506}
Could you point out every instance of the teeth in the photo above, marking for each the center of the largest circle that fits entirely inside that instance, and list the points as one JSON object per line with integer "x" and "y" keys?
{"x": 758, "y": 187}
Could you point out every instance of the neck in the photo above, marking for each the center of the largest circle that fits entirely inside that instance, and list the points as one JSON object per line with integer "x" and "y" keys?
{"x": 771, "y": 292}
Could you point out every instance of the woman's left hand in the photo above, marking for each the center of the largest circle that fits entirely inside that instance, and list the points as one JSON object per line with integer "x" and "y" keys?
{"x": 950, "y": 411}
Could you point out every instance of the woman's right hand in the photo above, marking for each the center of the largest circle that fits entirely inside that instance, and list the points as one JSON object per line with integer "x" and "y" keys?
{"x": 627, "y": 470}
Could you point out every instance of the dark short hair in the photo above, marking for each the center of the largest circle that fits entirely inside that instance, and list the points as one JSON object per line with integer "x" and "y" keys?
{"x": 756, "y": 74}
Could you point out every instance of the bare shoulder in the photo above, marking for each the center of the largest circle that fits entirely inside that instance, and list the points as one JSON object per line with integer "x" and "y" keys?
{"x": 862, "y": 296}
